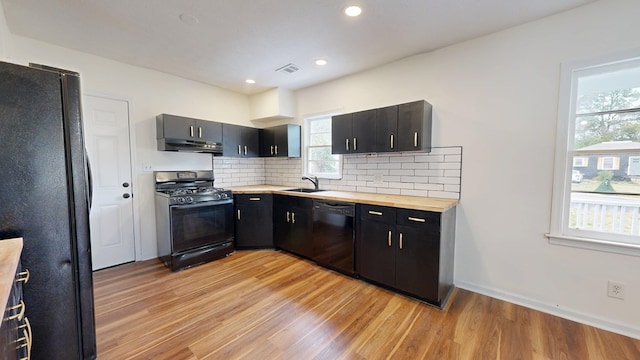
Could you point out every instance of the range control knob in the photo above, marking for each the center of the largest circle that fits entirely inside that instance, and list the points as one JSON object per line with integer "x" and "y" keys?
{"x": 180, "y": 200}
{"x": 189, "y": 199}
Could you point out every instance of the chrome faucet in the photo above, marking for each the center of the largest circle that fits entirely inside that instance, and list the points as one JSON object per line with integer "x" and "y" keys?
{"x": 314, "y": 180}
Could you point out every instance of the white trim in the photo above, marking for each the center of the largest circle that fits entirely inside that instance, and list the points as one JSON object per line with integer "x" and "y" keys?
{"x": 594, "y": 244}
{"x": 554, "y": 309}
{"x": 305, "y": 148}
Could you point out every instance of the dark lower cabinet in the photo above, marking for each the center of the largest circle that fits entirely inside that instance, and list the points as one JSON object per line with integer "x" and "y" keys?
{"x": 293, "y": 223}
{"x": 407, "y": 250}
{"x": 254, "y": 221}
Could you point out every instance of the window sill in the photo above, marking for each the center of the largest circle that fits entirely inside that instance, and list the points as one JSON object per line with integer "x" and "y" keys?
{"x": 593, "y": 244}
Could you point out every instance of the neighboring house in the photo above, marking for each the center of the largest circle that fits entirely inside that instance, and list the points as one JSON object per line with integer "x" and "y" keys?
{"x": 622, "y": 158}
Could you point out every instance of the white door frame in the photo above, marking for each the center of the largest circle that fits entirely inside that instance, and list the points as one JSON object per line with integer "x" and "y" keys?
{"x": 135, "y": 189}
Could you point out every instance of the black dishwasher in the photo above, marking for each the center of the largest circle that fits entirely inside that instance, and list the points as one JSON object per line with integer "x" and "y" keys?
{"x": 333, "y": 235}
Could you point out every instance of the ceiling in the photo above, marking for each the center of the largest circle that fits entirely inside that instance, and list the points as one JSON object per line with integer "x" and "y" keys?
{"x": 224, "y": 42}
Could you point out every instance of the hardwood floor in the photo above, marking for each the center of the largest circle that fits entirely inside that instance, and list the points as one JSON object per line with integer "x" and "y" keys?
{"x": 270, "y": 305}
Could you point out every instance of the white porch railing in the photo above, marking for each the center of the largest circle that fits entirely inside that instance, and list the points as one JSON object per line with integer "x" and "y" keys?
{"x": 605, "y": 213}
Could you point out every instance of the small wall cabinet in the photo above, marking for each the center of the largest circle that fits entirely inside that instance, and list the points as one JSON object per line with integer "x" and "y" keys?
{"x": 280, "y": 141}
{"x": 240, "y": 141}
{"x": 179, "y": 127}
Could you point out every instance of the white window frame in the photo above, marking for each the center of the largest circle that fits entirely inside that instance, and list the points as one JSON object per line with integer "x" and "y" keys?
{"x": 307, "y": 134}
{"x": 559, "y": 232}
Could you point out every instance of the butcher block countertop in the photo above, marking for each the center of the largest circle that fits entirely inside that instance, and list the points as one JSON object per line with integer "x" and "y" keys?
{"x": 10, "y": 251}
{"x": 398, "y": 201}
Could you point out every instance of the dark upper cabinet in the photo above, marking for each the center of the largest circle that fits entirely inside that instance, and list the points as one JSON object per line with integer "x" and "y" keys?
{"x": 403, "y": 127}
{"x": 280, "y": 141}
{"x": 293, "y": 223}
{"x": 180, "y": 127}
{"x": 352, "y": 133}
{"x": 254, "y": 221}
{"x": 414, "y": 126}
{"x": 240, "y": 141}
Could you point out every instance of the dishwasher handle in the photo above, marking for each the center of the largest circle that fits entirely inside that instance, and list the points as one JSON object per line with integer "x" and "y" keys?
{"x": 346, "y": 209}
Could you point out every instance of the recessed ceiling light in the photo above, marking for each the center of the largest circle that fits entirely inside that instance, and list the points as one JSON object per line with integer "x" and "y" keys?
{"x": 353, "y": 10}
{"x": 250, "y": 81}
{"x": 321, "y": 62}
{"x": 189, "y": 19}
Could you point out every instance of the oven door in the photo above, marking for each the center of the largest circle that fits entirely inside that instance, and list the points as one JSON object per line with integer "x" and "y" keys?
{"x": 202, "y": 224}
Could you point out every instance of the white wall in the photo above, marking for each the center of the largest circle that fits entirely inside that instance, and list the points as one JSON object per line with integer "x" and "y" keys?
{"x": 149, "y": 93}
{"x": 5, "y": 35}
{"x": 497, "y": 96}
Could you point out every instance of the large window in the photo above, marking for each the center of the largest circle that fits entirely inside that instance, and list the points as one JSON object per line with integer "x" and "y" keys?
{"x": 318, "y": 158}
{"x": 596, "y": 200}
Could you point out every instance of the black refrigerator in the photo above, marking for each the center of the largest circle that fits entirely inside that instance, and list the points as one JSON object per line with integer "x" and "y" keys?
{"x": 45, "y": 199}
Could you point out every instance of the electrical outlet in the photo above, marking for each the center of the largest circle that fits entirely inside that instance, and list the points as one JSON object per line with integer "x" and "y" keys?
{"x": 147, "y": 167}
{"x": 615, "y": 290}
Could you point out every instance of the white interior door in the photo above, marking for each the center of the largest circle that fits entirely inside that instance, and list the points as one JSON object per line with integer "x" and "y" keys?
{"x": 106, "y": 123}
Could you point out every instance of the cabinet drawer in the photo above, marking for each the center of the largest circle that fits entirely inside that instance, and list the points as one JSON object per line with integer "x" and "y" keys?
{"x": 418, "y": 218}
{"x": 378, "y": 213}
{"x": 253, "y": 199}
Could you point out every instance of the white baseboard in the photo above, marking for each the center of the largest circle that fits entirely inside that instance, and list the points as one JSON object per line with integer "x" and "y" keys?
{"x": 619, "y": 328}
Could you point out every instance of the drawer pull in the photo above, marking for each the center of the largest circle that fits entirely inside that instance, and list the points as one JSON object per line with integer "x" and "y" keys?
{"x": 379, "y": 213}
{"x": 23, "y": 276}
{"x": 416, "y": 219}
{"x": 391, "y": 141}
{"x": 254, "y": 199}
{"x": 415, "y": 139}
{"x": 20, "y": 314}
{"x": 389, "y": 238}
{"x": 238, "y": 214}
{"x": 288, "y": 216}
{"x": 400, "y": 241}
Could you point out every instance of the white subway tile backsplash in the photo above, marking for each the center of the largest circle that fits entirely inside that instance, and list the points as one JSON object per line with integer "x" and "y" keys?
{"x": 434, "y": 174}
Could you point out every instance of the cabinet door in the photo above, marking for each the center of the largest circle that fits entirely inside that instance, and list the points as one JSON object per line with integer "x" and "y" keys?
{"x": 267, "y": 141}
{"x": 231, "y": 143}
{"x": 209, "y": 131}
{"x": 301, "y": 228}
{"x": 281, "y": 222}
{"x": 281, "y": 141}
{"x": 364, "y": 135}
{"x": 376, "y": 251}
{"x": 177, "y": 127}
{"x": 341, "y": 142}
{"x": 387, "y": 129}
{"x": 250, "y": 142}
{"x": 417, "y": 261}
{"x": 414, "y": 126}
{"x": 254, "y": 226}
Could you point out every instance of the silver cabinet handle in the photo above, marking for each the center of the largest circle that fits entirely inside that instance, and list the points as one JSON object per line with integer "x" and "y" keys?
{"x": 355, "y": 144}
{"x": 19, "y": 314}
{"x": 23, "y": 276}
{"x": 389, "y": 238}
{"x": 245, "y": 149}
{"x": 276, "y": 149}
{"x": 191, "y": 130}
{"x": 254, "y": 199}
{"x": 288, "y": 216}
{"x": 416, "y": 219}
{"x": 379, "y": 213}
{"x": 293, "y": 218}
{"x": 200, "y": 132}
{"x": 238, "y": 214}
{"x": 400, "y": 241}
{"x": 239, "y": 151}
{"x": 392, "y": 141}
{"x": 347, "y": 144}
{"x": 415, "y": 139}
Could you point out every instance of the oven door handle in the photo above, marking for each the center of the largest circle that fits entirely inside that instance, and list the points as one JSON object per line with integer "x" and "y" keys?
{"x": 203, "y": 204}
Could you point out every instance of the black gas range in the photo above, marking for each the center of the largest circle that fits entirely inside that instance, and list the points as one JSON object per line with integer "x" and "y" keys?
{"x": 194, "y": 219}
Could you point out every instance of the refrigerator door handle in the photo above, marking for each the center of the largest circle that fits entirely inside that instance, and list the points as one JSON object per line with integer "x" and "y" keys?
{"x": 90, "y": 179}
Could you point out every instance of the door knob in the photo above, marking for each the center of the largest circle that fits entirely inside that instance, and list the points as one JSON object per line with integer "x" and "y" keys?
{"x": 125, "y": 184}
{"x": 126, "y": 196}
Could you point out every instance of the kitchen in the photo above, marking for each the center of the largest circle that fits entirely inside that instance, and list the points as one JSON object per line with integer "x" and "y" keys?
{"x": 478, "y": 95}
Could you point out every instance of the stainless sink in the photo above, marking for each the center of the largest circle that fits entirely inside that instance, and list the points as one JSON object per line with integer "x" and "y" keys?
{"x": 304, "y": 190}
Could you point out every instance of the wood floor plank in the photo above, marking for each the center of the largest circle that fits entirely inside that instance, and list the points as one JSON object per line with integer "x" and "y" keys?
{"x": 271, "y": 305}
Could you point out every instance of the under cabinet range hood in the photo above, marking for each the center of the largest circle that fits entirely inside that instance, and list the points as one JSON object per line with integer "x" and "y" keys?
{"x": 179, "y": 133}
{"x": 189, "y": 146}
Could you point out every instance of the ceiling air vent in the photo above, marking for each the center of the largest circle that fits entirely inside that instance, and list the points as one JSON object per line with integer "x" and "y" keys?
{"x": 289, "y": 68}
